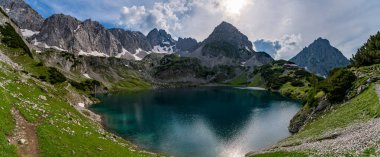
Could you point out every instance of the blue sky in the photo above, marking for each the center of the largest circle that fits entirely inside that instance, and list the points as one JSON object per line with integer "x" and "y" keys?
{"x": 283, "y": 27}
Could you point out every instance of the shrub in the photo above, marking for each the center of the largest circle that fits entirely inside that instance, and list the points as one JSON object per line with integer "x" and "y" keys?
{"x": 338, "y": 83}
{"x": 88, "y": 85}
{"x": 297, "y": 83}
{"x": 55, "y": 76}
{"x": 302, "y": 73}
{"x": 276, "y": 82}
{"x": 369, "y": 53}
{"x": 42, "y": 78}
{"x": 40, "y": 64}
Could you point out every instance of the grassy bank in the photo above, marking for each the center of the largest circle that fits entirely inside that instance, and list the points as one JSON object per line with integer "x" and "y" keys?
{"x": 362, "y": 108}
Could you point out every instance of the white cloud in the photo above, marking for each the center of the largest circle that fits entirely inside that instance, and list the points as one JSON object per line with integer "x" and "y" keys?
{"x": 162, "y": 15}
{"x": 284, "y": 48}
{"x": 290, "y": 44}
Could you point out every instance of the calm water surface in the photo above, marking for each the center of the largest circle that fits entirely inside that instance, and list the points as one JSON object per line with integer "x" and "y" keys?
{"x": 199, "y": 122}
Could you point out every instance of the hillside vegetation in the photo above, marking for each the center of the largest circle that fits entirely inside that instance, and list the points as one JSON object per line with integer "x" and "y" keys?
{"x": 45, "y": 99}
{"x": 369, "y": 53}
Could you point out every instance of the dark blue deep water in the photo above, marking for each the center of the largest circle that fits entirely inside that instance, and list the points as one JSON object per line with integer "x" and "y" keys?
{"x": 198, "y": 122}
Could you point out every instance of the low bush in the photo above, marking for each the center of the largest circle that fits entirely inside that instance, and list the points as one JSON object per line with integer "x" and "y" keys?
{"x": 88, "y": 85}
{"x": 297, "y": 83}
{"x": 337, "y": 84}
{"x": 55, "y": 76}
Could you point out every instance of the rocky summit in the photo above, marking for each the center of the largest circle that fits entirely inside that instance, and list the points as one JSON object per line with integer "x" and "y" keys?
{"x": 161, "y": 41}
{"x": 320, "y": 57}
{"x": 227, "y": 45}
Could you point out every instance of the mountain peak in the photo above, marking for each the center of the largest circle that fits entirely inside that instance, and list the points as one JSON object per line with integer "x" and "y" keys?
{"x": 321, "y": 41}
{"x": 226, "y": 32}
{"x": 22, "y": 14}
{"x": 225, "y": 26}
{"x": 320, "y": 57}
{"x": 160, "y": 37}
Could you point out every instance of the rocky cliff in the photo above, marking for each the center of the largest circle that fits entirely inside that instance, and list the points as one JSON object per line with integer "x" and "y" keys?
{"x": 23, "y": 15}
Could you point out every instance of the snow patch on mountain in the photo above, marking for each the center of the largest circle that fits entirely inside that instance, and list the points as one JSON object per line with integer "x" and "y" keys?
{"x": 165, "y": 49}
{"x": 28, "y": 33}
{"x": 44, "y": 45}
{"x": 87, "y": 76}
{"x": 138, "y": 51}
{"x": 92, "y": 53}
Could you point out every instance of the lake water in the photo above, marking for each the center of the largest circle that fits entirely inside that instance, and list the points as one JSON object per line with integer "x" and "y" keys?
{"x": 198, "y": 122}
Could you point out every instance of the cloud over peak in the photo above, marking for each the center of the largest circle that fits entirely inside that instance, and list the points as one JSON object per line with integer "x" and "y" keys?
{"x": 286, "y": 47}
{"x": 346, "y": 23}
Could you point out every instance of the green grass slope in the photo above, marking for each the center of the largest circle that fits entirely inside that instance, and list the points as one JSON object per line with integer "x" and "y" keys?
{"x": 61, "y": 130}
{"x": 362, "y": 108}
{"x": 42, "y": 96}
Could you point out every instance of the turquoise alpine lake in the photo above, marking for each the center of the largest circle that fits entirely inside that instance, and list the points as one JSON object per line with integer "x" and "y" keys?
{"x": 198, "y": 122}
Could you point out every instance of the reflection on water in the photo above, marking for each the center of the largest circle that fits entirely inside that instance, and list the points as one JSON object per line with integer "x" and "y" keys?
{"x": 205, "y": 122}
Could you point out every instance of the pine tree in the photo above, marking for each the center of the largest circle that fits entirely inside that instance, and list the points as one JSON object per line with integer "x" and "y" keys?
{"x": 369, "y": 53}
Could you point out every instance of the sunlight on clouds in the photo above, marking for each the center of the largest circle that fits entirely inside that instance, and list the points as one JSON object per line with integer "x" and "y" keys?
{"x": 234, "y": 7}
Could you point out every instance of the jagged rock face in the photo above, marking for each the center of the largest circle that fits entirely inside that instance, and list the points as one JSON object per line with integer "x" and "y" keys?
{"x": 227, "y": 45}
{"x": 320, "y": 57}
{"x": 92, "y": 36}
{"x": 22, "y": 14}
{"x": 161, "y": 41}
{"x": 132, "y": 41}
{"x": 70, "y": 34}
{"x": 186, "y": 45}
{"x": 58, "y": 30}
{"x": 160, "y": 37}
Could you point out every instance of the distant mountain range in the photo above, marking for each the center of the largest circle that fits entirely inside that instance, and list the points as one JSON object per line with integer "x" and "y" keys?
{"x": 226, "y": 45}
{"x": 320, "y": 57}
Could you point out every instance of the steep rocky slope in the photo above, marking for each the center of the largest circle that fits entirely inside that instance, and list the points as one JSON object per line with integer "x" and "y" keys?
{"x": 320, "y": 57}
{"x": 23, "y": 15}
{"x": 69, "y": 34}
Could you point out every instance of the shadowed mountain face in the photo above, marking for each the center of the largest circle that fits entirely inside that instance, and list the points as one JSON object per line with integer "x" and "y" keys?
{"x": 320, "y": 57}
{"x": 227, "y": 45}
{"x": 70, "y": 34}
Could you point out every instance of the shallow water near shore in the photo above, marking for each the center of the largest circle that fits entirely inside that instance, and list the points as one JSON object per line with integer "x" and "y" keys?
{"x": 202, "y": 122}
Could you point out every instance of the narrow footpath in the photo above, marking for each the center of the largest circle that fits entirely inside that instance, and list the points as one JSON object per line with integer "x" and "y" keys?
{"x": 24, "y": 136}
